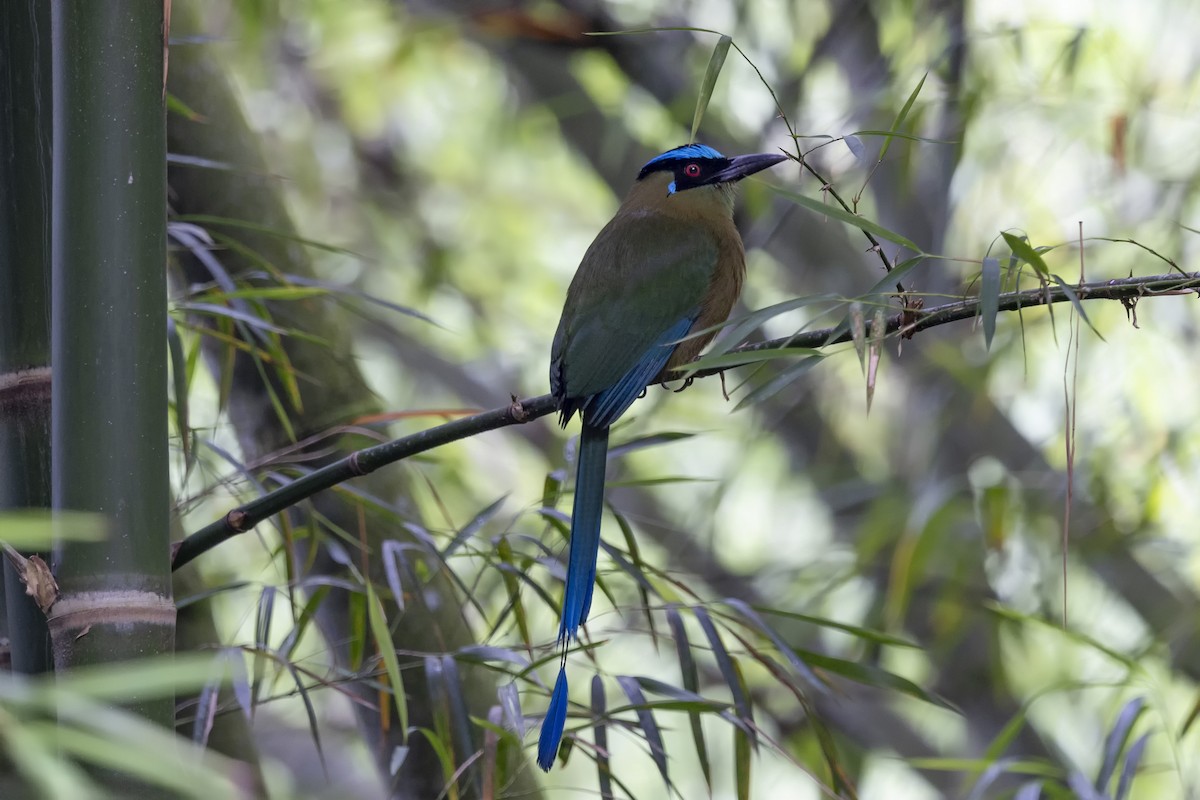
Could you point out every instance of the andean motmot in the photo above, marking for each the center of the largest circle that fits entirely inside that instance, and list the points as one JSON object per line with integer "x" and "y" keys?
{"x": 669, "y": 262}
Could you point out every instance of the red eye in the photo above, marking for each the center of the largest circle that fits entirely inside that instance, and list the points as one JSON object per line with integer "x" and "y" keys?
{"x": 692, "y": 170}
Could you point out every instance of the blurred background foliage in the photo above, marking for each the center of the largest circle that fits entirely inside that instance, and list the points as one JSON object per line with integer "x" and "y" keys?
{"x": 455, "y": 159}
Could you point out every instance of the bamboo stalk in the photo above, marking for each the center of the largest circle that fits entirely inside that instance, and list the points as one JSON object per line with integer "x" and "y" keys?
{"x": 25, "y": 300}
{"x": 108, "y": 290}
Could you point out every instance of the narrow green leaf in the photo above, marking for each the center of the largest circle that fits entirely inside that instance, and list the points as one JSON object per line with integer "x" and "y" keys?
{"x": 600, "y": 732}
{"x": 177, "y": 106}
{"x": 1114, "y": 743}
{"x": 887, "y": 284}
{"x": 856, "y": 146}
{"x": 858, "y": 332}
{"x": 460, "y": 720}
{"x": 383, "y": 641}
{"x": 1068, "y": 633}
{"x": 862, "y": 223}
{"x": 486, "y": 653}
{"x": 989, "y": 298}
{"x": 870, "y": 675}
{"x": 510, "y": 701}
{"x": 635, "y": 557}
{"x": 1030, "y": 790}
{"x": 508, "y": 572}
{"x": 1069, "y": 291}
{"x": 179, "y": 383}
{"x": 552, "y": 488}
{"x": 738, "y": 329}
{"x": 1132, "y": 760}
{"x": 788, "y": 652}
{"x": 691, "y": 682}
{"x": 310, "y": 713}
{"x": 908, "y": 104}
{"x": 866, "y": 634}
{"x": 743, "y": 744}
{"x": 781, "y": 381}
{"x": 875, "y": 351}
{"x": 262, "y": 637}
{"x": 646, "y": 722}
{"x": 725, "y": 663}
{"x": 1023, "y": 250}
{"x": 473, "y": 527}
{"x": 643, "y": 442}
{"x": 275, "y": 293}
{"x": 207, "y": 219}
{"x": 898, "y": 135}
{"x": 38, "y": 528}
{"x": 746, "y": 357}
{"x": 307, "y": 611}
{"x": 715, "y": 62}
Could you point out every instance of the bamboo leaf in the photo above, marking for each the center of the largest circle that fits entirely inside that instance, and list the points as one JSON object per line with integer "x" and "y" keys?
{"x": 310, "y": 712}
{"x": 383, "y": 641}
{"x": 1132, "y": 759}
{"x": 510, "y": 702}
{"x": 858, "y": 332}
{"x": 743, "y": 744}
{"x": 908, "y": 104}
{"x": 642, "y": 442}
{"x": 473, "y": 527}
{"x": 1114, "y": 743}
{"x": 739, "y": 329}
{"x": 715, "y": 62}
{"x": 746, "y": 357}
{"x": 856, "y": 146}
{"x": 897, "y": 135}
{"x": 990, "y": 775}
{"x": 725, "y": 663}
{"x": 1024, "y": 251}
{"x": 1069, "y": 291}
{"x": 866, "y": 634}
{"x": 762, "y": 627}
{"x": 508, "y": 572}
{"x": 600, "y": 732}
{"x": 833, "y": 212}
{"x": 781, "y": 381}
{"x": 262, "y": 636}
{"x": 871, "y": 675}
{"x": 646, "y": 722}
{"x": 691, "y": 682}
{"x": 989, "y": 298}
{"x": 1031, "y": 790}
{"x": 875, "y": 351}
{"x": 37, "y": 529}
{"x": 636, "y": 559}
{"x": 460, "y": 721}
{"x": 179, "y": 383}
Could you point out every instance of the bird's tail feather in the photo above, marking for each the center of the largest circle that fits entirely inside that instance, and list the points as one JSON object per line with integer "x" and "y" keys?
{"x": 585, "y": 530}
{"x": 556, "y": 720}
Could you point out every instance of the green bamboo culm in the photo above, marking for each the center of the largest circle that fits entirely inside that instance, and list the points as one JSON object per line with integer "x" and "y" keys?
{"x": 109, "y": 353}
{"x": 24, "y": 300}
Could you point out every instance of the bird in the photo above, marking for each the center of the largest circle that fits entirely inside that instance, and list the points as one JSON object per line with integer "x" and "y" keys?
{"x": 669, "y": 262}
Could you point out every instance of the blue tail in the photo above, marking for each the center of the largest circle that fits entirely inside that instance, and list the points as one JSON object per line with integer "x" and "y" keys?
{"x": 585, "y": 530}
{"x": 556, "y": 720}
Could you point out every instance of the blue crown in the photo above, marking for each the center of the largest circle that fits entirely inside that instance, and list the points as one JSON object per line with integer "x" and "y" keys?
{"x": 682, "y": 152}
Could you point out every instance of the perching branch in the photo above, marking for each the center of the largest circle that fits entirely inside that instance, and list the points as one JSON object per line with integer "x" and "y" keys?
{"x": 363, "y": 462}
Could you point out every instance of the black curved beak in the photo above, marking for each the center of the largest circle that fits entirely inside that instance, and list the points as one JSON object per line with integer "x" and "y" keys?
{"x": 741, "y": 166}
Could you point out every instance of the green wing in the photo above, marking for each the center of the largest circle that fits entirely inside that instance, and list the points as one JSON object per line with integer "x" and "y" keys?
{"x": 643, "y": 275}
